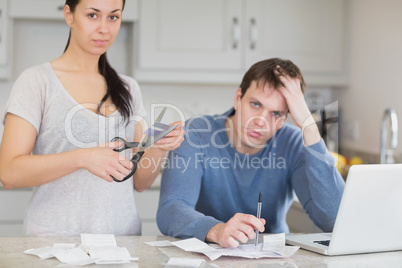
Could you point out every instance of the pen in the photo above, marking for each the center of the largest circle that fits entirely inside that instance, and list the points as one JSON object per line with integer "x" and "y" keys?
{"x": 258, "y": 216}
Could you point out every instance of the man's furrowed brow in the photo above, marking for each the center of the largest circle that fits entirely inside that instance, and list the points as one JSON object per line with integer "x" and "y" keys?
{"x": 256, "y": 101}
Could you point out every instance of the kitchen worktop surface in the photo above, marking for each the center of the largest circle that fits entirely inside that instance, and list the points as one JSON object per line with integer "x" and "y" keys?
{"x": 11, "y": 255}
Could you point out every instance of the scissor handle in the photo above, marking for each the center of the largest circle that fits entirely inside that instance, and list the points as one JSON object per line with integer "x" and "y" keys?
{"x": 126, "y": 144}
{"x": 136, "y": 158}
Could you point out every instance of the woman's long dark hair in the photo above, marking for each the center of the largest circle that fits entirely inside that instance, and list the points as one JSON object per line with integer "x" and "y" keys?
{"x": 117, "y": 89}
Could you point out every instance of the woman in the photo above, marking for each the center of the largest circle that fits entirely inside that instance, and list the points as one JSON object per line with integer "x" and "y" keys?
{"x": 61, "y": 111}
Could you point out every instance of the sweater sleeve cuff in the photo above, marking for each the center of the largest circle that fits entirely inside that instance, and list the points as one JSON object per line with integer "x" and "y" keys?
{"x": 320, "y": 152}
{"x": 319, "y": 147}
{"x": 204, "y": 225}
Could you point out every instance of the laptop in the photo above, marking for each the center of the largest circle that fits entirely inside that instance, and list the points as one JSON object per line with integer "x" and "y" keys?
{"x": 369, "y": 217}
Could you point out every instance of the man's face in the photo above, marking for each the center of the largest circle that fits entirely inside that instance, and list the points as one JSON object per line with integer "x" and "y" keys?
{"x": 260, "y": 113}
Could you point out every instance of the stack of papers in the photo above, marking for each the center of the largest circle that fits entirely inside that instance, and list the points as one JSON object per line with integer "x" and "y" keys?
{"x": 94, "y": 248}
{"x": 273, "y": 247}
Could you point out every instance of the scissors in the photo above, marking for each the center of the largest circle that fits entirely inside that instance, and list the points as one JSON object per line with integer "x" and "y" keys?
{"x": 156, "y": 132}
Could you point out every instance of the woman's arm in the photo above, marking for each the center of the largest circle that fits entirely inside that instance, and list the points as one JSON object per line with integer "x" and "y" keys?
{"x": 19, "y": 169}
{"x": 151, "y": 162}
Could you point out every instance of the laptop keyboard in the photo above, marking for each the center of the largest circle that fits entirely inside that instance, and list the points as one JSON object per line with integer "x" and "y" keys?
{"x": 322, "y": 242}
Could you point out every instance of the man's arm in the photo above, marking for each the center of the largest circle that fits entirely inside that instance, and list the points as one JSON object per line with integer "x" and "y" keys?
{"x": 317, "y": 182}
{"x": 318, "y": 185}
{"x": 180, "y": 190}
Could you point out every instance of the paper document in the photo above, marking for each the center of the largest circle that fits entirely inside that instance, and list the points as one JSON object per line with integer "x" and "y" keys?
{"x": 94, "y": 248}
{"x": 274, "y": 242}
{"x": 185, "y": 262}
{"x": 74, "y": 256}
{"x": 48, "y": 252}
{"x": 273, "y": 247}
{"x": 98, "y": 240}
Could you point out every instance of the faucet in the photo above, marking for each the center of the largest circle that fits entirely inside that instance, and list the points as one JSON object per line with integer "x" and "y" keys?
{"x": 386, "y": 155}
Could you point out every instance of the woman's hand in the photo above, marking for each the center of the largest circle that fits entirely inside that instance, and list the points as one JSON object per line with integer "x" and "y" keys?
{"x": 103, "y": 162}
{"x": 172, "y": 140}
{"x": 150, "y": 164}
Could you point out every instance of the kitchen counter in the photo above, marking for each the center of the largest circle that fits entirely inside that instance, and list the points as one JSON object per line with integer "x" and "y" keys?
{"x": 11, "y": 255}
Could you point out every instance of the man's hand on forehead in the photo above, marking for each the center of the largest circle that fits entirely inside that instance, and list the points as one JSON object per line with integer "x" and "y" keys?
{"x": 291, "y": 85}
{"x": 294, "y": 97}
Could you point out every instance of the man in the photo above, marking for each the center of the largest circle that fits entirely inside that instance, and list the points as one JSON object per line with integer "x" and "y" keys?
{"x": 211, "y": 183}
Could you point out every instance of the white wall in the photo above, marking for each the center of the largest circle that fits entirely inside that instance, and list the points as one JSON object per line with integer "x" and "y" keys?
{"x": 376, "y": 71}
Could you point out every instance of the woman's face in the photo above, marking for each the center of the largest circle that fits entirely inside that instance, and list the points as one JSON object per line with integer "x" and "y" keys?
{"x": 94, "y": 25}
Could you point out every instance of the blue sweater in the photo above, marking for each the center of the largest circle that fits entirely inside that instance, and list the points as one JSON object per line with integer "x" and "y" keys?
{"x": 206, "y": 181}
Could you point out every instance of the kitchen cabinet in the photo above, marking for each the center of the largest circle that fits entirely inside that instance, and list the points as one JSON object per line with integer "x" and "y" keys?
{"x": 299, "y": 221}
{"x": 13, "y": 205}
{"x": 12, "y": 216}
{"x": 41, "y": 15}
{"x": 53, "y": 9}
{"x": 147, "y": 205}
{"x": 190, "y": 35}
{"x": 37, "y": 9}
{"x": 4, "y": 41}
{"x": 211, "y": 41}
{"x": 308, "y": 32}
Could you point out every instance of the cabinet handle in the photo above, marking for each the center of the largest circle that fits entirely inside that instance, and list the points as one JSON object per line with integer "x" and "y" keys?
{"x": 236, "y": 33}
{"x": 253, "y": 33}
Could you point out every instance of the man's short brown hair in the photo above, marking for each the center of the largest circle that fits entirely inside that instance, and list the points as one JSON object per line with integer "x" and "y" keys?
{"x": 264, "y": 72}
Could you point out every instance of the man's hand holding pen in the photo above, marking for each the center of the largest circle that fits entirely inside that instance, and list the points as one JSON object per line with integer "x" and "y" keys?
{"x": 239, "y": 228}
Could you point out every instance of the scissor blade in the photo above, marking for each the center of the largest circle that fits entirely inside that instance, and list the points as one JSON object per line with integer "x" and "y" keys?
{"x": 161, "y": 115}
{"x": 149, "y": 140}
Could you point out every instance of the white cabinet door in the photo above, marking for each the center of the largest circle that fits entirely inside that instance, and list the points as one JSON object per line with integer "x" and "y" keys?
{"x": 5, "y": 41}
{"x": 309, "y": 32}
{"x": 299, "y": 221}
{"x": 13, "y": 205}
{"x": 37, "y": 9}
{"x": 54, "y": 9}
{"x": 190, "y": 35}
{"x": 216, "y": 41}
{"x": 3, "y": 32}
{"x": 147, "y": 206}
